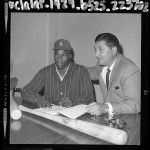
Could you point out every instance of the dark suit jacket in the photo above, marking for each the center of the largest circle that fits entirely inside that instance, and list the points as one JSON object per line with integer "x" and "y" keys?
{"x": 124, "y": 92}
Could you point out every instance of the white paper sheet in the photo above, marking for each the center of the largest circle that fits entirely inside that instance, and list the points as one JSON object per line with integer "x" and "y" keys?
{"x": 54, "y": 110}
{"x": 71, "y": 112}
{"x": 75, "y": 111}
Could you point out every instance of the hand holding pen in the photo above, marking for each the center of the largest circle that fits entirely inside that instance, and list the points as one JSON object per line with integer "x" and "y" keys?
{"x": 65, "y": 102}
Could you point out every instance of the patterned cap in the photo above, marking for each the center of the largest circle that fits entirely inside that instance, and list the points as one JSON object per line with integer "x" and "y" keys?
{"x": 62, "y": 44}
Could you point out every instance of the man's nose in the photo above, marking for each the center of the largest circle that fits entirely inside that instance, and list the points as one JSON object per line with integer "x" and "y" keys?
{"x": 60, "y": 56}
{"x": 97, "y": 54}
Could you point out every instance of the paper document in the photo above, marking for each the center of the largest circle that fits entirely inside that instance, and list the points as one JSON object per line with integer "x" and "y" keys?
{"x": 54, "y": 110}
{"x": 75, "y": 111}
{"x": 71, "y": 112}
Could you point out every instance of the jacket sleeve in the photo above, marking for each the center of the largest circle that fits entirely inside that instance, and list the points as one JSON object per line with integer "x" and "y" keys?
{"x": 86, "y": 87}
{"x": 131, "y": 87}
{"x": 94, "y": 72}
{"x": 31, "y": 90}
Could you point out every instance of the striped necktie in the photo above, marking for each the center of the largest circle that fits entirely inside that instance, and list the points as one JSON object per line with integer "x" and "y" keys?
{"x": 107, "y": 78}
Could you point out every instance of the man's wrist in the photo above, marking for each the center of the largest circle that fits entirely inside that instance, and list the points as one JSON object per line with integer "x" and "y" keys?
{"x": 103, "y": 108}
{"x": 108, "y": 108}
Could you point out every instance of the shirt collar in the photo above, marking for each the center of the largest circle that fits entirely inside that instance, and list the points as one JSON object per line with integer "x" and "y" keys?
{"x": 111, "y": 67}
{"x": 61, "y": 78}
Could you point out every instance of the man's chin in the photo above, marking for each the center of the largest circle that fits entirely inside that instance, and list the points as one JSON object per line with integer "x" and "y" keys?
{"x": 60, "y": 67}
{"x": 101, "y": 62}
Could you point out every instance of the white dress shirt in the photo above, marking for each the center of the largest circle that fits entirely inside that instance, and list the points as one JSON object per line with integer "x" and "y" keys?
{"x": 103, "y": 73}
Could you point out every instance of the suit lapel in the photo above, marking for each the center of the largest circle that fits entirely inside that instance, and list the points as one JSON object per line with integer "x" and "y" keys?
{"x": 114, "y": 71}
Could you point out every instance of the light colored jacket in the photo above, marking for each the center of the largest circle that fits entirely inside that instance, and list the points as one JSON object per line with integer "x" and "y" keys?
{"x": 124, "y": 92}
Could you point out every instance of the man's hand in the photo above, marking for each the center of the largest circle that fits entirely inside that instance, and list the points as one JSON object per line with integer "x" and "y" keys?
{"x": 96, "y": 108}
{"x": 43, "y": 103}
{"x": 66, "y": 102}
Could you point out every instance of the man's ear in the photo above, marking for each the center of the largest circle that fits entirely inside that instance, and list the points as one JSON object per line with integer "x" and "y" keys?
{"x": 114, "y": 50}
{"x": 70, "y": 56}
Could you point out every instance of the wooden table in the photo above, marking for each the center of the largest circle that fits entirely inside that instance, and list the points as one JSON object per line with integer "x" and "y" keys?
{"x": 32, "y": 129}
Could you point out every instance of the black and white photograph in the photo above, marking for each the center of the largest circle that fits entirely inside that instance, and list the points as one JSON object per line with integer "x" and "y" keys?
{"x": 75, "y": 78}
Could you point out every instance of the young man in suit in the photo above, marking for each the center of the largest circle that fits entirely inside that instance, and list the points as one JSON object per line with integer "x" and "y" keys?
{"x": 119, "y": 78}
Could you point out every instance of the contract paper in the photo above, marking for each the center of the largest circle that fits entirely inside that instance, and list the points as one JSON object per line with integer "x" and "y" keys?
{"x": 71, "y": 112}
{"x": 54, "y": 110}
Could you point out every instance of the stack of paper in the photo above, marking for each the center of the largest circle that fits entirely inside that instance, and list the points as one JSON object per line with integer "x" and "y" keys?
{"x": 71, "y": 112}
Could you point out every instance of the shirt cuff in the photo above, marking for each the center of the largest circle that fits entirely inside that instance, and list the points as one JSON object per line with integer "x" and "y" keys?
{"x": 109, "y": 108}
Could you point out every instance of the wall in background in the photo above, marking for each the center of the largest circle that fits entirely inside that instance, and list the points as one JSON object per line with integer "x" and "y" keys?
{"x": 28, "y": 45}
{"x": 33, "y": 36}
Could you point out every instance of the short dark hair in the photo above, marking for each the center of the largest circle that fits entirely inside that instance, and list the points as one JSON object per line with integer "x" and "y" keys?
{"x": 111, "y": 40}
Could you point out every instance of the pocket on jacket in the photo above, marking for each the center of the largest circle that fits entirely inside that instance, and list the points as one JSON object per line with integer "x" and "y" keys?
{"x": 116, "y": 90}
